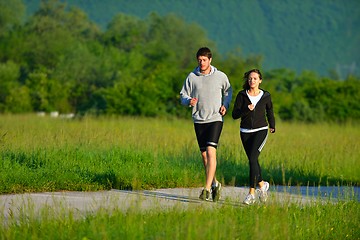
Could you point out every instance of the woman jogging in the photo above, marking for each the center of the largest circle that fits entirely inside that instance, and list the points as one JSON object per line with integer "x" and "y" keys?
{"x": 254, "y": 106}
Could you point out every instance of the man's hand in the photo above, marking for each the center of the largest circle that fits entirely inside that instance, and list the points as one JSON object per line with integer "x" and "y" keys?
{"x": 222, "y": 110}
{"x": 193, "y": 101}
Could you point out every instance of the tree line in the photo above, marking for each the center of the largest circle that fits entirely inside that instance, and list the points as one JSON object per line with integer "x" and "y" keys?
{"x": 323, "y": 35}
{"x": 59, "y": 60}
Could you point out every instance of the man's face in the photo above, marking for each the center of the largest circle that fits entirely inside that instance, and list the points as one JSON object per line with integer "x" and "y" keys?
{"x": 204, "y": 64}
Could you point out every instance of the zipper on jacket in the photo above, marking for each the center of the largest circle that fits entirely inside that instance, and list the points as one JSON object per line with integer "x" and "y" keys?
{"x": 252, "y": 112}
{"x": 252, "y": 118}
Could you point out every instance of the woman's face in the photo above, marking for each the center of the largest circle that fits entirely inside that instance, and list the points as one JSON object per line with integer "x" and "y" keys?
{"x": 254, "y": 80}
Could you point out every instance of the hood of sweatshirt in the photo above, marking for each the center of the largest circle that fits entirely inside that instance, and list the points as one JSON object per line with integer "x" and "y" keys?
{"x": 198, "y": 73}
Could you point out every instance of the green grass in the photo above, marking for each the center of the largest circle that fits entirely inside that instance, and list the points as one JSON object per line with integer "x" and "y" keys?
{"x": 46, "y": 154}
{"x": 272, "y": 221}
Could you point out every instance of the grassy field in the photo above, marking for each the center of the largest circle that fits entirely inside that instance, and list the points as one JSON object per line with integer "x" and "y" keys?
{"x": 52, "y": 154}
{"x": 323, "y": 221}
{"x": 48, "y": 154}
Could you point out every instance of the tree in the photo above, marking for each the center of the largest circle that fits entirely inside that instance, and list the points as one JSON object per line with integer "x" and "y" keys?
{"x": 18, "y": 100}
{"x": 11, "y": 14}
{"x": 9, "y": 75}
{"x": 125, "y": 32}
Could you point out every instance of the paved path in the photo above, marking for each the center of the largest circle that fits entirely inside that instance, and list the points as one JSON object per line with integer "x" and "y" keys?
{"x": 82, "y": 203}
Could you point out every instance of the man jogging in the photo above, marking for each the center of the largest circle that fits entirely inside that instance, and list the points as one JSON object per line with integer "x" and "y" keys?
{"x": 208, "y": 91}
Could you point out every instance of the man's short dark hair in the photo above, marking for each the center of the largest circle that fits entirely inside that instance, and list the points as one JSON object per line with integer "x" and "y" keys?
{"x": 204, "y": 51}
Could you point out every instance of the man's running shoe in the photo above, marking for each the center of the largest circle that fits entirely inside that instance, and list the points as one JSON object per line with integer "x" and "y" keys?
{"x": 205, "y": 195}
{"x": 216, "y": 192}
{"x": 249, "y": 200}
{"x": 263, "y": 193}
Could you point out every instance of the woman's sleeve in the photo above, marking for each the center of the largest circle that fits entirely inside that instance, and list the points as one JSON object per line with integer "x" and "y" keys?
{"x": 270, "y": 113}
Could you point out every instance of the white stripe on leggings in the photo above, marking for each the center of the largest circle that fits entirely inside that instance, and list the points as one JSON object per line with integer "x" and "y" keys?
{"x": 263, "y": 143}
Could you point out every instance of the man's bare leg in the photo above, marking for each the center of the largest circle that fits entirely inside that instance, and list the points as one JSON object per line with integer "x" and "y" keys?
{"x": 209, "y": 160}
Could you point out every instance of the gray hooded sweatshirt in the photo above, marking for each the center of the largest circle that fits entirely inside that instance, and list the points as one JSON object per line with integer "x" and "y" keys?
{"x": 212, "y": 91}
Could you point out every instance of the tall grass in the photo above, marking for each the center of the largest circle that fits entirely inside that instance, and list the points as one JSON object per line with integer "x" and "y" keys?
{"x": 272, "y": 221}
{"x": 49, "y": 154}
{"x": 46, "y": 154}
{"x": 304, "y": 154}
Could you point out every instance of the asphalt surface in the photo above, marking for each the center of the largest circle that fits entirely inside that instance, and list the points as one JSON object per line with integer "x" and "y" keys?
{"x": 14, "y": 206}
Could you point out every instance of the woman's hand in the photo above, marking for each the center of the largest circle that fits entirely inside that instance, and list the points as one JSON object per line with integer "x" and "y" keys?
{"x": 251, "y": 107}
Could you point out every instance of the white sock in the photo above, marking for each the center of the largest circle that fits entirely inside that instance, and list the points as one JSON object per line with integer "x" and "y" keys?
{"x": 263, "y": 187}
{"x": 252, "y": 195}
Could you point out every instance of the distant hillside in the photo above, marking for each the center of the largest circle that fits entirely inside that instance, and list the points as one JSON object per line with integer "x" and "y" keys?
{"x": 320, "y": 35}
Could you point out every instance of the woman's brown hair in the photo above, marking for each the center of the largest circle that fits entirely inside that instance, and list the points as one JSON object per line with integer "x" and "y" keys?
{"x": 246, "y": 85}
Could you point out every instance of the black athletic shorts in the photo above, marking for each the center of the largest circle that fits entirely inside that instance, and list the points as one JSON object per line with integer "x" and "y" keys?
{"x": 208, "y": 134}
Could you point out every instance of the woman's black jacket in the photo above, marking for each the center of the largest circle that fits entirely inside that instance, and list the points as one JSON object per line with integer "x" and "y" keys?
{"x": 256, "y": 118}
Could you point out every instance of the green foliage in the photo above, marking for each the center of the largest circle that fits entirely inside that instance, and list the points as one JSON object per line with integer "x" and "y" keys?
{"x": 9, "y": 75}
{"x": 11, "y": 14}
{"x": 125, "y": 32}
{"x": 18, "y": 100}
{"x": 310, "y": 98}
{"x": 320, "y": 36}
{"x": 61, "y": 61}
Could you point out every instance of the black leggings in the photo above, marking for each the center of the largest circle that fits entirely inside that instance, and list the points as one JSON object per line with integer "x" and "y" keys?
{"x": 253, "y": 144}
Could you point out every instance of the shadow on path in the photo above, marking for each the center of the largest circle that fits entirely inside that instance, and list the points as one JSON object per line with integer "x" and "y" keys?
{"x": 13, "y": 206}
